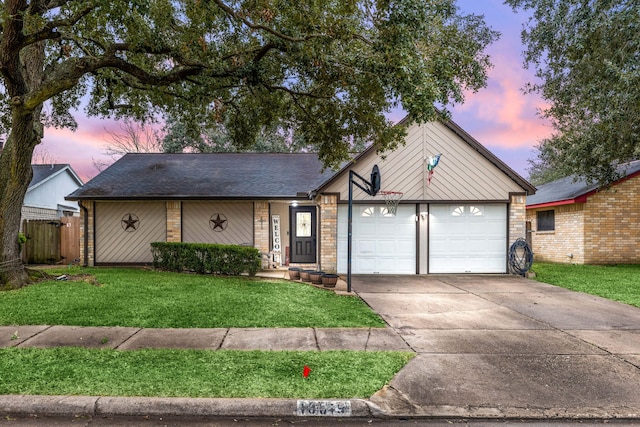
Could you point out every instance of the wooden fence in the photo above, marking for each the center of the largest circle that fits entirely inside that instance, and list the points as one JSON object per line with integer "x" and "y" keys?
{"x": 52, "y": 242}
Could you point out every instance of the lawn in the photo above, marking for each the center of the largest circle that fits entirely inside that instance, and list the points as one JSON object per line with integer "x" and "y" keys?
{"x": 196, "y": 373}
{"x": 156, "y": 299}
{"x": 615, "y": 282}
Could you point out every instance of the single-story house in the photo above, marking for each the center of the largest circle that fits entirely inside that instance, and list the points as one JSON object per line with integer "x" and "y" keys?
{"x": 573, "y": 221}
{"x": 460, "y": 217}
{"x": 45, "y": 197}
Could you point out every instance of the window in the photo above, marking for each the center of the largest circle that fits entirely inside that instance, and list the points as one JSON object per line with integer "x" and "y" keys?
{"x": 457, "y": 211}
{"x": 546, "y": 220}
{"x": 303, "y": 224}
{"x": 367, "y": 212}
{"x": 476, "y": 210}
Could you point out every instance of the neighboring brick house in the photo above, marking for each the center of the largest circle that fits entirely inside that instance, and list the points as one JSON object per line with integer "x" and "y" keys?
{"x": 461, "y": 218}
{"x": 574, "y": 222}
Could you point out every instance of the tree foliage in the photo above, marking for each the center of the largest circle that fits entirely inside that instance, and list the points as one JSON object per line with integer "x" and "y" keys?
{"x": 179, "y": 137}
{"x": 586, "y": 54}
{"x": 541, "y": 169}
{"x": 332, "y": 68}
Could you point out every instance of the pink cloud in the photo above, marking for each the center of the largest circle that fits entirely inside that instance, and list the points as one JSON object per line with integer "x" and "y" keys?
{"x": 80, "y": 148}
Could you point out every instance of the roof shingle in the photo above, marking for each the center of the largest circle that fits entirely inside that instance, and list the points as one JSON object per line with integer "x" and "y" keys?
{"x": 42, "y": 172}
{"x": 568, "y": 188}
{"x": 216, "y": 175}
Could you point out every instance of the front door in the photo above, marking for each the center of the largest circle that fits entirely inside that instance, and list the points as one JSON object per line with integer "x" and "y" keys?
{"x": 303, "y": 234}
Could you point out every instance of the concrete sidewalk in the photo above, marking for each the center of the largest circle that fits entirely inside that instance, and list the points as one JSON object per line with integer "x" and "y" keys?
{"x": 488, "y": 346}
{"x": 305, "y": 339}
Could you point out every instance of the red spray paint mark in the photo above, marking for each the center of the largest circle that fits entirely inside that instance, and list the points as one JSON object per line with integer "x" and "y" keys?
{"x": 306, "y": 371}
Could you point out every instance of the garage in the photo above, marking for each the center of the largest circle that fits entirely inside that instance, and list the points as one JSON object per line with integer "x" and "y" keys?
{"x": 382, "y": 243}
{"x": 468, "y": 238}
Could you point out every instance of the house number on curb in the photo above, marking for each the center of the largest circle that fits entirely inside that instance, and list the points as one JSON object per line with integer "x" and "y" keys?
{"x": 324, "y": 408}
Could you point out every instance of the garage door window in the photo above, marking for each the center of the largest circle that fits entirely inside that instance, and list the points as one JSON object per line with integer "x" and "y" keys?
{"x": 370, "y": 211}
{"x": 467, "y": 210}
{"x": 476, "y": 210}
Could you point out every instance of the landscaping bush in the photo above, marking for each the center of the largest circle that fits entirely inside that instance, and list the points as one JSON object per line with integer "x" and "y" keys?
{"x": 203, "y": 258}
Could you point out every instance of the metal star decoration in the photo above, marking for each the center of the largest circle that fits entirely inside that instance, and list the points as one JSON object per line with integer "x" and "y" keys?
{"x": 130, "y": 222}
{"x": 218, "y": 223}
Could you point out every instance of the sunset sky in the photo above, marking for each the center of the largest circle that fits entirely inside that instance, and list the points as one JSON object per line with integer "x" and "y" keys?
{"x": 500, "y": 116}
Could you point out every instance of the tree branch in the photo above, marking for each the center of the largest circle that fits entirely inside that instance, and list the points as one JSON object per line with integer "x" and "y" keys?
{"x": 12, "y": 36}
{"x": 49, "y": 30}
{"x": 235, "y": 15}
{"x": 295, "y": 93}
{"x": 67, "y": 74}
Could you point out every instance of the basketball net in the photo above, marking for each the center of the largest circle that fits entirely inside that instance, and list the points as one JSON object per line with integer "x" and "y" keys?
{"x": 392, "y": 199}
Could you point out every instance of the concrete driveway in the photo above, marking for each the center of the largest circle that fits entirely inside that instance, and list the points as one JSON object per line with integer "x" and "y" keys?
{"x": 504, "y": 346}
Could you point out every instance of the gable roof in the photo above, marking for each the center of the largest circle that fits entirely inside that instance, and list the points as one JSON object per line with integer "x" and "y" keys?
{"x": 197, "y": 176}
{"x": 43, "y": 173}
{"x": 466, "y": 137}
{"x": 567, "y": 190}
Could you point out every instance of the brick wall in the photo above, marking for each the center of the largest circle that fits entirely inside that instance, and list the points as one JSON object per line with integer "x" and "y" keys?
{"x": 566, "y": 243}
{"x": 174, "y": 221}
{"x": 612, "y": 232}
{"x": 261, "y": 226}
{"x": 604, "y": 230}
{"x": 517, "y": 215}
{"x": 328, "y": 232}
{"x": 91, "y": 237}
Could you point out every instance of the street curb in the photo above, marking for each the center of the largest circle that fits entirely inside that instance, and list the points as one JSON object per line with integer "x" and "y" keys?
{"x": 90, "y": 406}
{"x": 154, "y": 406}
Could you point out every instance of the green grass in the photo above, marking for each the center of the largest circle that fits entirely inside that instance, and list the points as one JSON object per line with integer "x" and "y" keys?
{"x": 155, "y": 299}
{"x": 618, "y": 283}
{"x": 196, "y": 373}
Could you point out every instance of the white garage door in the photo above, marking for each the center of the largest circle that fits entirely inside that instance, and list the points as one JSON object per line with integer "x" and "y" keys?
{"x": 382, "y": 243}
{"x": 467, "y": 238}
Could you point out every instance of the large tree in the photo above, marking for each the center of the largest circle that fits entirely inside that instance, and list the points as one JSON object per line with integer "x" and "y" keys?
{"x": 586, "y": 54}
{"x": 333, "y": 68}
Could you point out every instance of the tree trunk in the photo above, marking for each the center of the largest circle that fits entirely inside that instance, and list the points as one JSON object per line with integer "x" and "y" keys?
{"x": 15, "y": 176}
{"x": 15, "y": 162}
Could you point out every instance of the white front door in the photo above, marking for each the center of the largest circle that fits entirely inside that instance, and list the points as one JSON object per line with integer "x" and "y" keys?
{"x": 468, "y": 238}
{"x": 382, "y": 243}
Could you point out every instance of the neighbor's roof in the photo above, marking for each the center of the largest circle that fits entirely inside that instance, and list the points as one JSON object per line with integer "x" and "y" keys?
{"x": 566, "y": 190}
{"x": 218, "y": 175}
{"x": 42, "y": 173}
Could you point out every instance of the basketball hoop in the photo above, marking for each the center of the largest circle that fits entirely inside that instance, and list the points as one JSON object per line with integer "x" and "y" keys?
{"x": 392, "y": 198}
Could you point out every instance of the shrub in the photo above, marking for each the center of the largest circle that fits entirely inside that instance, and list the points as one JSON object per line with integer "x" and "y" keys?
{"x": 22, "y": 239}
{"x": 204, "y": 258}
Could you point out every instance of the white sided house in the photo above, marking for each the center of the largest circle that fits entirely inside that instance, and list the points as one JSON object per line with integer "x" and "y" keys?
{"x": 45, "y": 197}
{"x": 461, "y": 220}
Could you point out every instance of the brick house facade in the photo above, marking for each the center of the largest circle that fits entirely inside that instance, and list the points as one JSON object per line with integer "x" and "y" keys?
{"x": 461, "y": 218}
{"x": 591, "y": 225}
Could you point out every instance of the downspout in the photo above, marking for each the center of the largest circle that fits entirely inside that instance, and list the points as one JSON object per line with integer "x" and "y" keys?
{"x": 86, "y": 233}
